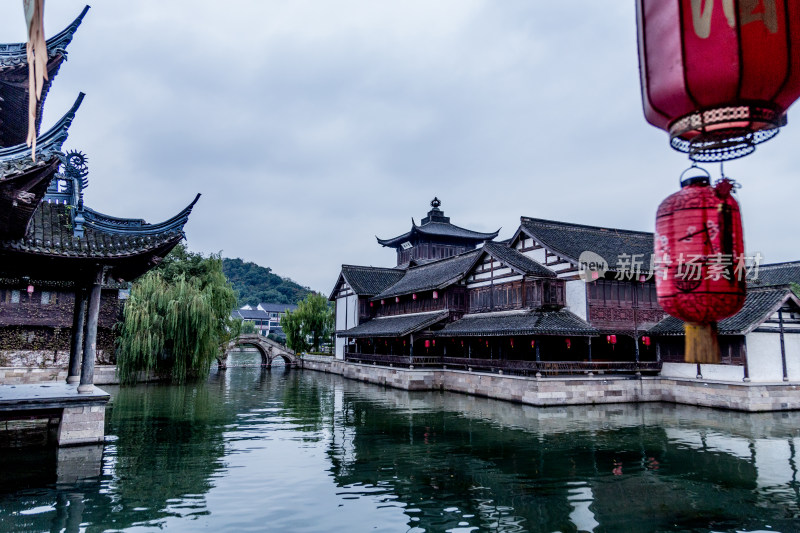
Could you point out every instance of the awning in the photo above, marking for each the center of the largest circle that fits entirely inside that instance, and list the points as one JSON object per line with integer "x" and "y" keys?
{"x": 531, "y": 323}
{"x": 394, "y": 326}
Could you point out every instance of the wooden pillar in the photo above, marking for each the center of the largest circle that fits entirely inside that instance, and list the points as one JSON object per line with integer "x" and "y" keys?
{"x": 76, "y": 348}
{"x": 90, "y": 337}
{"x": 783, "y": 346}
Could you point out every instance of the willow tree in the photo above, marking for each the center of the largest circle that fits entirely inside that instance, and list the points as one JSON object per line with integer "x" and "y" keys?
{"x": 176, "y": 319}
{"x": 313, "y": 319}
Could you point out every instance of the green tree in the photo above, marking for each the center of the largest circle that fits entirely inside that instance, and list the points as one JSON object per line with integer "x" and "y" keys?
{"x": 312, "y": 319}
{"x": 177, "y": 318}
{"x": 796, "y": 289}
{"x": 248, "y": 327}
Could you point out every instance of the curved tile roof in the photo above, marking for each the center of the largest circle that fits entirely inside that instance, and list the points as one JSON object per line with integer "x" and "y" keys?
{"x": 517, "y": 261}
{"x": 758, "y": 306}
{"x": 14, "y": 72}
{"x": 560, "y": 322}
{"x": 438, "y": 226}
{"x": 777, "y": 274}
{"x": 434, "y": 275}
{"x": 394, "y": 326}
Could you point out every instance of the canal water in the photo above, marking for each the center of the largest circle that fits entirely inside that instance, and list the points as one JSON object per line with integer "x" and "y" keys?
{"x": 300, "y": 451}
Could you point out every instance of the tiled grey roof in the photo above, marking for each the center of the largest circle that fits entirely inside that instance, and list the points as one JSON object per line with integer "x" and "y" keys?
{"x": 560, "y": 322}
{"x": 435, "y": 275}
{"x": 369, "y": 281}
{"x": 250, "y": 314}
{"x": 516, "y": 260}
{"x": 570, "y": 240}
{"x": 395, "y": 326}
{"x": 777, "y": 274}
{"x": 758, "y": 306}
{"x": 50, "y": 234}
{"x": 277, "y": 308}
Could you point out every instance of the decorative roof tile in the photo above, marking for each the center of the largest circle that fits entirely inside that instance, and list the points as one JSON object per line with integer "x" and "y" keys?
{"x": 758, "y": 306}
{"x": 560, "y": 322}
{"x": 394, "y": 326}
{"x": 434, "y": 275}
{"x": 570, "y": 240}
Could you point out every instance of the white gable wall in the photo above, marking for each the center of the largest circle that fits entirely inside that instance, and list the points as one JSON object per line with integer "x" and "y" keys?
{"x": 576, "y": 298}
{"x": 764, "y": 356}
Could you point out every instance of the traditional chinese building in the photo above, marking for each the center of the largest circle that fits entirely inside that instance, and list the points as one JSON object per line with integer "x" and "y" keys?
{"x": 556, "y": 297}
{"x": 62, "y": 264}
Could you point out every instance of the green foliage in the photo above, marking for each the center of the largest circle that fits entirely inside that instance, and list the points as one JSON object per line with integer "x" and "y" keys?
{"x": 796, "y": 289}
{"x": 312, "y": 319}
{"x": 177, "y": 318}
{"x": 256, "y": 284}
{"x": 248, "y": 327}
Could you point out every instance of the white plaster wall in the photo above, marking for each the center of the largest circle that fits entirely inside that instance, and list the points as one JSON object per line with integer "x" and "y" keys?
{"x": 576, "y": 297}
{"x": 792, "y": 343}
{"x": 352, "y": 311}
{"x": 764, "y": 356}
{"x": 339, "y": 348}
{"x": 340, "y": 313}
{"x": 346, "y": 318}
{"x": 722, "y": 372}
{"x": 679, "y": 370}
{"x": 537, "y": 255}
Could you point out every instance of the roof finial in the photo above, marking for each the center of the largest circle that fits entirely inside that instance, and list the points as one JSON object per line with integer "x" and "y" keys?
{"x": 435, "y": 203}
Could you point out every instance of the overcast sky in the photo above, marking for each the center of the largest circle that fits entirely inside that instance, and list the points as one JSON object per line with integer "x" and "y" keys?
{"x": 310, "y": 127}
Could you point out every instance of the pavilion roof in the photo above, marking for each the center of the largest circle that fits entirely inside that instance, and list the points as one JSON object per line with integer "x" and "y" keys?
{"x": 437, "y": 227}
{"x": 759, "y": 305}
{"x": 14, "y": 82}
{"x": 508, "y": 323}
{"x": 51, "y": 246}
{"x": 435, "y": 275}
{"x": 570, "y": 240}
{"x": 394, "y": 326}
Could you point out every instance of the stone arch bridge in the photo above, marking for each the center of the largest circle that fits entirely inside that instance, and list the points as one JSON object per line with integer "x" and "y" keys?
{"x": 268, "y": 349}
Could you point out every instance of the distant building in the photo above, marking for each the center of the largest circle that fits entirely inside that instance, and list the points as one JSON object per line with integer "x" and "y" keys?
{"x": 266, "y": 316}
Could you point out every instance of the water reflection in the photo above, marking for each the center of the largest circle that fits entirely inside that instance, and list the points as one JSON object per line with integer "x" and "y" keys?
{"x": 288, "y": 450}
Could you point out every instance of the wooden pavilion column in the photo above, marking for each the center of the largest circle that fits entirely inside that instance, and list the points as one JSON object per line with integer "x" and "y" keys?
{"x": 76, "y": 348}
{"x": 90, "y": 338}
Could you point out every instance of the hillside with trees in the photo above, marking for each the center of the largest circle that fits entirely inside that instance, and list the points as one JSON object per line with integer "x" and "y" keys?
{"x": 256, "y": 284}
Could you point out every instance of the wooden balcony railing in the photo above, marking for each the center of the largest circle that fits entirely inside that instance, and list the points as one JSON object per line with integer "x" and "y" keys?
{"x": 514, "y": 367}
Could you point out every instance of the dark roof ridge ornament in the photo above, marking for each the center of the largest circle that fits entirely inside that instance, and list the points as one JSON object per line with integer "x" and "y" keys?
{"x": 435, "y": 203}
{"x": 435, "y": 214}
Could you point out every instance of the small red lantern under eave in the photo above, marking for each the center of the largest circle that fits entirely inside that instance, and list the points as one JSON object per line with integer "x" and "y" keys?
{"x": 568, "y": 343}
{"x": 699, "y": 249}
{"x": 397, "y": 299}
{"x": 30, "y": 289}
{"x": 371, "y": 304}
{"x": 718, "y": 75}
{"x": 646, "y": 341}
{"x": 612, "y": 339}
{"x": 533, "y": 343}
{"x": 414, "y": 296}
{"x": 435, "y": 295}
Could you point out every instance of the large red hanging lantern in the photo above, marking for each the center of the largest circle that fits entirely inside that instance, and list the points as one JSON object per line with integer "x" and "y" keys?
{"x": 718, "y": 75}
{"x": 699, "y": 254}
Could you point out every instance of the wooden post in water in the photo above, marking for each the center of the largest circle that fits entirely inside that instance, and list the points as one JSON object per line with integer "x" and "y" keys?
{"x": 76, "y": 348}
{"x": 90, "y": 341}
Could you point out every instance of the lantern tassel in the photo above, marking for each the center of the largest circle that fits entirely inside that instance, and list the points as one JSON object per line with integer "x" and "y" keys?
{"x": 702, "y": 344}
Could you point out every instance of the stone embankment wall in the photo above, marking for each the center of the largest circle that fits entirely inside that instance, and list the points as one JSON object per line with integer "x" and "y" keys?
{"x": 103, "y": 375}
{"x": 555, "y": 391}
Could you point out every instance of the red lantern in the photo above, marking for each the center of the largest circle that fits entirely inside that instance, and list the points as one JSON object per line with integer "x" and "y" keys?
{"x": 646, "y": 341}
{"x": 699, "y": 254}
{"x": 427, "y": 344}
{"x": 414, "y": 296}
{"x": 370, "y": 304}
{"x": 435, "y": 295}
{"x": 396, "y": 299}
{"x": 433, "y": 342}
{"x": 30, "y": 289}
{"x": 533, "y": 343}
{"x": 612, "y": 339}
{"x": 568, "y": 343}
{"x": 718, "y": 75}
{"x": 382, "y": 302}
